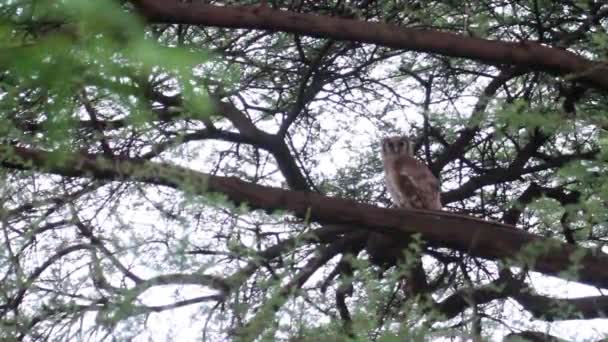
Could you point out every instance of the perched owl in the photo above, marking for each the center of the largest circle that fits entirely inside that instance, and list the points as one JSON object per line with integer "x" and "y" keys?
{"x": 411, "y": 185}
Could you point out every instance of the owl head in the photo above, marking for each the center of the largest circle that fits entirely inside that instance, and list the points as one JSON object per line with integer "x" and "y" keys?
{"x": 397, "y": 146}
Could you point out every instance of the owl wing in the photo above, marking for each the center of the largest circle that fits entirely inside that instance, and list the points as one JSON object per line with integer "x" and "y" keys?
{"x": 419, "y": 184}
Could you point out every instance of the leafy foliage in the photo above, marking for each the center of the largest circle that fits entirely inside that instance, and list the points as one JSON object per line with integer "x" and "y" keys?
{"x": 87, "y": 256}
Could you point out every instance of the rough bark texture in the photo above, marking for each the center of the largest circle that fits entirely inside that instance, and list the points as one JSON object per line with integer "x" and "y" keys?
{"x": 476, "y": 237}
{"x": 528, "y": 54}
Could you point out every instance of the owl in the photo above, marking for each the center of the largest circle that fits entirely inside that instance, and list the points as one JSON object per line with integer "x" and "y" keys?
{"x": 408, "y": 180}
{"x": 411, "y": 185}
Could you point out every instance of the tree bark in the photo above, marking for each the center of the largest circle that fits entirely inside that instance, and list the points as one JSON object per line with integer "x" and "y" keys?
{"x": 529, "y": 55}
{"x": 476, "y": 237}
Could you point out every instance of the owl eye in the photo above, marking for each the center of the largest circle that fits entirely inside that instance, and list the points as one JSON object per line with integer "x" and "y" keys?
{"x": 401, "y": 143}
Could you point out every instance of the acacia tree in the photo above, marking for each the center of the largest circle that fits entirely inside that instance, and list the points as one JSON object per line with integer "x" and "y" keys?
{"x": 223, "y": 158}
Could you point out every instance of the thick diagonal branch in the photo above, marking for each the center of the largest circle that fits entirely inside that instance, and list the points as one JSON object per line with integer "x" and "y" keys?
{"x": 528, "y": 55}
{"x": 473, "y": 236}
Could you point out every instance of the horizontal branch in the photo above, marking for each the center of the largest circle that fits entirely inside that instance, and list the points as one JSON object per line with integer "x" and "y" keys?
{"x": 476, "y": 237}
{"x": 540, "y": 306}
{"x": 529, "y": 55}
{"x": 532, "y": 336}
{"x": 553, "y": 309}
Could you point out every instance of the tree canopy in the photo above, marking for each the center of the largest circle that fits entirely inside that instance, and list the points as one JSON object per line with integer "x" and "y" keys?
{"x": 211, "y": 170}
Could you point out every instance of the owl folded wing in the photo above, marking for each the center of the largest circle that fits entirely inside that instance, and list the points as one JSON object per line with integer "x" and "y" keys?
{"x": 420, "y": 185}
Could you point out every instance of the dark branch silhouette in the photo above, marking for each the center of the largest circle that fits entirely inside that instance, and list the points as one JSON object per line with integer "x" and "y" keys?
{"x": 528, "y": 54}
{"x": 480, "y": 238}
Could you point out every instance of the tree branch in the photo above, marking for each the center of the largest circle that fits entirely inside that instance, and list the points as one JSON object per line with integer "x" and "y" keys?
{"x": 502, "y": 287}
{"x": 527, "y": 54}
{"x": 552, "y": 309}
{"x": 476, "y": 237}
